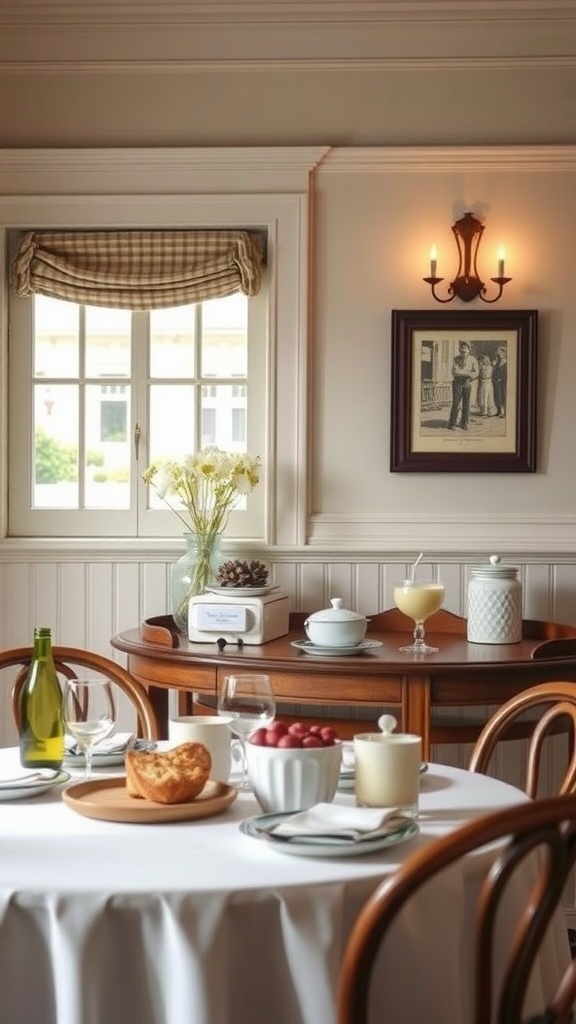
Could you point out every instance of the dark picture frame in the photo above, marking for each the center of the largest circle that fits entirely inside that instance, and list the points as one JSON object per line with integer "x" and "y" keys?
{"x": 463, "y": 391}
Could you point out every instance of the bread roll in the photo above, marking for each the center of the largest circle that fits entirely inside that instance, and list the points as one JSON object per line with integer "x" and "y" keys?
{"x": 173, "y": 777}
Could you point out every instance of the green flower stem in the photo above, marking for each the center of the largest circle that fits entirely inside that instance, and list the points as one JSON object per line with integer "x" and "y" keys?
{"x": 204, "y": 545}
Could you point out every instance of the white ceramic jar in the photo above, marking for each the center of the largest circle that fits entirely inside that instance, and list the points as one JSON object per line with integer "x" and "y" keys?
{"x": 494, "y": 604}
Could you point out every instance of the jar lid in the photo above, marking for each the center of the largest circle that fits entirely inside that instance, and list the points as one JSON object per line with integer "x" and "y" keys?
{"x": 495, "y": 570}
{"x": 336, "y": 613}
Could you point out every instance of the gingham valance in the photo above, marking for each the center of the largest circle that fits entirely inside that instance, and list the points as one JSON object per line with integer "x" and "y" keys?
{"x": 138, "y": 269}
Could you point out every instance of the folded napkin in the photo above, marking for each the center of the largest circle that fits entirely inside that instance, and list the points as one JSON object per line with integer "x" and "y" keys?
{"x": 333, "y": 822}
{"x": 18, "y": 779}
{"x": 115, "y": 744}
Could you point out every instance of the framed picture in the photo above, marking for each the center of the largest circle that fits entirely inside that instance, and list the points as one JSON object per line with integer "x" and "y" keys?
{"x": 463, "y": 391}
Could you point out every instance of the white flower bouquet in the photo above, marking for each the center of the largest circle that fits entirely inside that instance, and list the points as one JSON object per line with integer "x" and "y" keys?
{"x": 202, "y": 490}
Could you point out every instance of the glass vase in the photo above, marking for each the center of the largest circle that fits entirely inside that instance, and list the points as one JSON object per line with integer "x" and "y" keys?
{"x": 193, "y": 572}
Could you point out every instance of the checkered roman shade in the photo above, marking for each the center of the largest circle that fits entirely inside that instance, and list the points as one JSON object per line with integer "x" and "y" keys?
{"x": 138, "y": 269}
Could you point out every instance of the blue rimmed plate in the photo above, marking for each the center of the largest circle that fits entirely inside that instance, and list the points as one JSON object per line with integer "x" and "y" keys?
{"x": 260, "y": 828}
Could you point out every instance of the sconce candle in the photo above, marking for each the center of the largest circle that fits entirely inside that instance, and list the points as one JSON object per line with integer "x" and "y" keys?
{"x": 467, "y": 284}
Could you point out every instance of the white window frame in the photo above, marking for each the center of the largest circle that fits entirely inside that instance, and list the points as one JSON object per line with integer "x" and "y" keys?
{"x": 265, "y": 189}
{"x": 139, "y": 520}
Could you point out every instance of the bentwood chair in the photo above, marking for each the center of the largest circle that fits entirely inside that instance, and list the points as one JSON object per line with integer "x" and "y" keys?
{"x": 547, "y": 826}
{"x": 556, "y": 702}
{"x": 67, "y": 661}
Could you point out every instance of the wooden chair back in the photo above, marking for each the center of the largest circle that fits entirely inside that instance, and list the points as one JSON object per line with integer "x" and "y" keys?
{"x": 68, "y": 660}
{"x": 544, "y": 825}
{"x": 557, "y": 701}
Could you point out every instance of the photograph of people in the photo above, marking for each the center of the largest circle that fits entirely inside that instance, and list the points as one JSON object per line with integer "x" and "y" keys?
{"x": 500, "y": 379}
{"x": 485, "y": 400}
{"x": 464, "y": 371}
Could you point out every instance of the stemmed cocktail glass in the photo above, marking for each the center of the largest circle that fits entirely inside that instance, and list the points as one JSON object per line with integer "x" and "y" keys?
{"x": 419, "y": 596}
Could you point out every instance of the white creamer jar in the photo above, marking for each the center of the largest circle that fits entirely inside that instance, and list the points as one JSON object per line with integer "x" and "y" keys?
{"x": 494, "y": 604}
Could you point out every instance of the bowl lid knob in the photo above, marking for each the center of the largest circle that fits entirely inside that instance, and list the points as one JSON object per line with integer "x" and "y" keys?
{"x": 387, "y": 724}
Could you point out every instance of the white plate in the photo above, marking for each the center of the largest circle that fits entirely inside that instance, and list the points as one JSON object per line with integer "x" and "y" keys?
{"x": 110, "y": 759}
{"x": 242, "y": 591}
{"x": 23, "y": 790}
{"x": 323, "y": 651}
{"x": 257, "y": 828}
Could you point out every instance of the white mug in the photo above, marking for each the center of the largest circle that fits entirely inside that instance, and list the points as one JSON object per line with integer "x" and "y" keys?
{"x": 387, "y": 769}
{"x": 211, "y": 730}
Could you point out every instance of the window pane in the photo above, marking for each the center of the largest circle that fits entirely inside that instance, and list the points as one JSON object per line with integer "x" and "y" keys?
{"x": 225, "y": 337}
{"x": 55, "y": 467}
{"x": 172, "y": 336}
{"x": 239, "y": 426}
{"x": 108, "y": 342}
{"x": 56, "y": 337}
{"x": 107, "y": 447}
{"x": 225, "y": 411}
{"x": 208, "y": 427}
{"x": 172, "y": 432}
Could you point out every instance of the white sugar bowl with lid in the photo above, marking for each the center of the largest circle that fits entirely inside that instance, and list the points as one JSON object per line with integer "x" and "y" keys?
{"x": 494, "y": 604}
{"x": 336, "y": 626}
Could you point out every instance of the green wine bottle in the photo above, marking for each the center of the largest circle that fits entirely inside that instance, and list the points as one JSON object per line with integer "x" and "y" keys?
{"x": 41, "y": 726}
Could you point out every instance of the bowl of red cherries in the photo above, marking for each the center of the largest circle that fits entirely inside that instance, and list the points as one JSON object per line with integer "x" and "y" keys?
{"x": 293, "y": 767}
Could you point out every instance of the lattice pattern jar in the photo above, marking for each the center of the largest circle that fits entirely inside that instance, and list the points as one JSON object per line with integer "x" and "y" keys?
{"x": 494, "y": 604}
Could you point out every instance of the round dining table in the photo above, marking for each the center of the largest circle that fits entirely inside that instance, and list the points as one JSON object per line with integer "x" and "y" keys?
{"x": 195, "y": 922}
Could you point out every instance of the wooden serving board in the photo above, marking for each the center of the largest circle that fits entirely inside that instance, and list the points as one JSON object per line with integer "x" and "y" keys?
{"x": 108, "y": 800}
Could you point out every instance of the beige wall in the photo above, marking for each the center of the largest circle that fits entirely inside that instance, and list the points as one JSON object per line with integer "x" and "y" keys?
{"x": 377, "y": 213}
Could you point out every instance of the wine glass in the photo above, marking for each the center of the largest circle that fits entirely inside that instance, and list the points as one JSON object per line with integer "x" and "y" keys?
{"x": 419, "y": 596}
{"x": 88, "y": 712}
{"x": 249, "y": 701}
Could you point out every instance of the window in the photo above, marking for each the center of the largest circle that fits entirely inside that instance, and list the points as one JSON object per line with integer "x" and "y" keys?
{"x": 266, "y": 189}
{"x": 109, "y": 391}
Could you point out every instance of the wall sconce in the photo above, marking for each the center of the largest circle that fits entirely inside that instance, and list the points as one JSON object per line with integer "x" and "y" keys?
{"x": 467, "y": 285}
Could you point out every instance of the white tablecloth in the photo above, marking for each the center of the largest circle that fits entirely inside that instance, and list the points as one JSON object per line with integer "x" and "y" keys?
{"x": 195, "y": 923}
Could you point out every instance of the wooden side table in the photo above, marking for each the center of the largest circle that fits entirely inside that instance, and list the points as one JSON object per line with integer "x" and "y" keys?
{"x": 459, "y": 675}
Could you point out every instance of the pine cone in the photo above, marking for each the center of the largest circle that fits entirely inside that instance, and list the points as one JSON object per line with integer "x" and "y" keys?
{"x": 237, "y": 573}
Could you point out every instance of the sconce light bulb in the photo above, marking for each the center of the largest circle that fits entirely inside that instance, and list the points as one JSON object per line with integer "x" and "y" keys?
{"x": 501, "y": 258}
{"x": 433, "y": 261}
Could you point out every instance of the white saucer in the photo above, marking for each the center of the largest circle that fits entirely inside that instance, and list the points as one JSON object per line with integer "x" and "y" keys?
{"x": 322, "y": 651}
{"x": 242, "y": 591}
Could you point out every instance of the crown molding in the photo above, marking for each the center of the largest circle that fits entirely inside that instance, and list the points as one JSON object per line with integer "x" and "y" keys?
{"x": 279, "y": 11}
{"x": 350, "y": 65}
{"x": 444, "y": 159}
{"x": 247, "y": 34}
{"x": 185, "y": 171}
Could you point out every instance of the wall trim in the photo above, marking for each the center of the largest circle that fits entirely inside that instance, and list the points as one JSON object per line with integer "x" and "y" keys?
{"x": 446, "y": 532}
{"x": 138, "y": 33}
{"x": 133, "y": 551}
{"x": 158, "y": 170}
{"x": 330, "y": 65}
{"x": 274, "y": 11}
{"x": 443, "y": 159}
